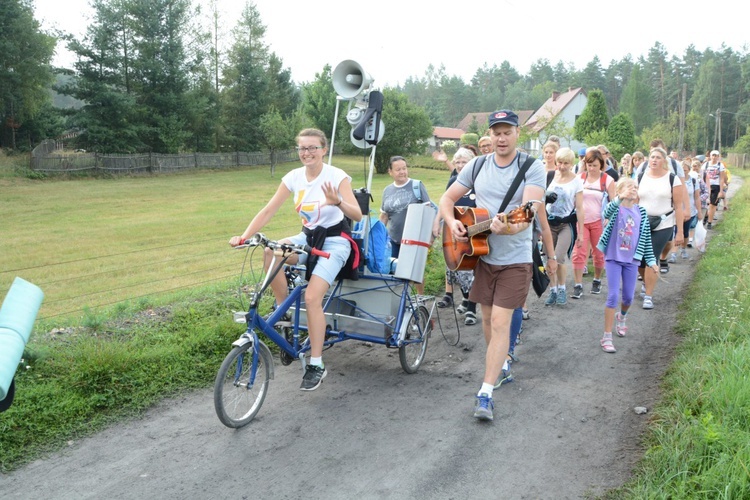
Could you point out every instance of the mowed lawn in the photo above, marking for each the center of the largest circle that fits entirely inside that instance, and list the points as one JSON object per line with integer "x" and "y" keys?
{"x": 92, "y": 243}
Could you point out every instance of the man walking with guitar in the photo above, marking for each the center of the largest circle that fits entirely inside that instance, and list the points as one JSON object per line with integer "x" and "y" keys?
{"x": 497, "y": 240}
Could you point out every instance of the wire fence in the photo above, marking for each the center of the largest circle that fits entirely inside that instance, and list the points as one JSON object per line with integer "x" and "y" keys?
{"x": 48, "y": 159}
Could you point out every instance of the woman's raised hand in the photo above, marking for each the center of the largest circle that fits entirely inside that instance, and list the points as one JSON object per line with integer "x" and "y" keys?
{"x": 331, "y": 193}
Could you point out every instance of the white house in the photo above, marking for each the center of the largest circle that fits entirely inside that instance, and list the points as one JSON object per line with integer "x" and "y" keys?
{"x": 563, "y": 107}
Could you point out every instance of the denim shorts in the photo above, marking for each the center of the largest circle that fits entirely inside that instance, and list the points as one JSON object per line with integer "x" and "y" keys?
{"x": 329, "y": 268}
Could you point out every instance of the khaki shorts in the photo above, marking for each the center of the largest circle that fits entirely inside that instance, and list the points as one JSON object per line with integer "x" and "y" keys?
{"x": 502, "y": 286}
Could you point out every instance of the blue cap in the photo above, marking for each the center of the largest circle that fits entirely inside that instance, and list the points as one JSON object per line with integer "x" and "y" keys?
{"x": 582, "y": 152}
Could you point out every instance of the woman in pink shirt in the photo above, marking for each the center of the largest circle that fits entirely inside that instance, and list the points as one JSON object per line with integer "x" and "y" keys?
{"x": 595, "y": 184}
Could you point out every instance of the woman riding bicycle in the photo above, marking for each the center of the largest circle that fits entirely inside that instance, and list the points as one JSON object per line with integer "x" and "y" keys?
{"x": 323, "y": 195}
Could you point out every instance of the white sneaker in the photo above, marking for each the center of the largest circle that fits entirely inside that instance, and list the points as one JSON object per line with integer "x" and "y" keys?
{"x": 672, "y": 258}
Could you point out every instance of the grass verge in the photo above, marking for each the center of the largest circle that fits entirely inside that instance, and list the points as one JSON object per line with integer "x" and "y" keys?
{"x": 127, "y": 323}
{"x": 698, "y": 444}
{"x": 74, "y": 381}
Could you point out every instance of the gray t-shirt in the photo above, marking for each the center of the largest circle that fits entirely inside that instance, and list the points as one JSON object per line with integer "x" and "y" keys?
{"x": 396, "y": 199}
{"x": 491, "y": 185}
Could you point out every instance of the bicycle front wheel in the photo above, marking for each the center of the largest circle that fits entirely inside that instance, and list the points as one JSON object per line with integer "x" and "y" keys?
{"x": 241, "y": 385}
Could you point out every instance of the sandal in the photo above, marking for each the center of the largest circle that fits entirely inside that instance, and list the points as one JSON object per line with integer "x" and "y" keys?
{"x": 620, "y": 325}
{"x": 607, "y": 345}
{"x": 471, "y": 318}
{"x": 446, "y": 301}
{"x": 463, "y": 307}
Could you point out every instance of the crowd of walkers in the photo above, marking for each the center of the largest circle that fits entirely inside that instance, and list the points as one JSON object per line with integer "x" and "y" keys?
{"x": 621, "y": 223}
{"x": 627, "y": 221}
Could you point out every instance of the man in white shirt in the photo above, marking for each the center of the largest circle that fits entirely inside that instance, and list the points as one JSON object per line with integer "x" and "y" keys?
{"x": 715, "y": 176}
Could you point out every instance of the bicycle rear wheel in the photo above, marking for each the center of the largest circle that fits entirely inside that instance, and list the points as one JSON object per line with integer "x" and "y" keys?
{"x": 412, "y": 354}
{"x": 239, "y": 390}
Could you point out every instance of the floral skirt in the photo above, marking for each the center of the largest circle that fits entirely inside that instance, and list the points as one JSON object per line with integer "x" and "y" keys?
{"x": 464, "y": 279}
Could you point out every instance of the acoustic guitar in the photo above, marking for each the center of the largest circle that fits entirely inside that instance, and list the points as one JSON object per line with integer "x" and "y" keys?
{"x": 463, "y": 255}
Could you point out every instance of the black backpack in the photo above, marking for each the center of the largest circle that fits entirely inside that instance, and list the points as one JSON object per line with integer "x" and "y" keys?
{"x": 671, "y": 181}
{"x": 483, "y": 159}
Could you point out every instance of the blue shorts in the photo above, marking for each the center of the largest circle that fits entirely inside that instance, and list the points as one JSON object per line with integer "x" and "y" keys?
{"x": 329, "y": 268}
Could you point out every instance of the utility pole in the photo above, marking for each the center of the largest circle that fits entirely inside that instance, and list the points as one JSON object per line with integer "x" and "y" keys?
{"x": 683, "y": 107}
{"x": 717, "y": 129}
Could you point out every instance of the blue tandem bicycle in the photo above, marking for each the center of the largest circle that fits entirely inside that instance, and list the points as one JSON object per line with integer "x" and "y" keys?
{"x": 376, "y": 308}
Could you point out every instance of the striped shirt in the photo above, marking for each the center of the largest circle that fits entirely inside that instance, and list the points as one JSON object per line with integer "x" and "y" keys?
{"x": 645, "y": 247}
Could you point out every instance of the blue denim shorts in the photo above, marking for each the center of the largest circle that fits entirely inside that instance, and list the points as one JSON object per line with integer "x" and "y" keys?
{"x": 329, "y": 268}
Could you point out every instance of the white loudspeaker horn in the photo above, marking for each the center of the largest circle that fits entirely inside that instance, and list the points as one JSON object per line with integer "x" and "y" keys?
{"x": 350, "y": 79}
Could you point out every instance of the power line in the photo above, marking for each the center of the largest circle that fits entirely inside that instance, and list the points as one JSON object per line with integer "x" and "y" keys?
{"x": 118, "y": 269}
{"x": 170, "y": 278}
{"x": 85, "y": 259}
{"x": 138, "y": 296}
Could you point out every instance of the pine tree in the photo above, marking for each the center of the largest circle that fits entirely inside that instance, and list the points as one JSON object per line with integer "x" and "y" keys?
{"x": 25, "y": 71}
{"x": 593, "y": 117}
{"x": 637, "y": 100}
{"x": 621, "y": 135}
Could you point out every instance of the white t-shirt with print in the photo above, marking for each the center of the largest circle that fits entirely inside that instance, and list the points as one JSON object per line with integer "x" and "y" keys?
{"x": 309, "y": 196}
{"x": 566, "y": 197}
{"x": 713, "y": 173}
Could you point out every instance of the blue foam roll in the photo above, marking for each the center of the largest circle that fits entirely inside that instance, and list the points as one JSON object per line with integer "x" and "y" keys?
{"x": 17, "y": 316}
{"x": 11, "y": 351}
{"x": 20, "y": 307}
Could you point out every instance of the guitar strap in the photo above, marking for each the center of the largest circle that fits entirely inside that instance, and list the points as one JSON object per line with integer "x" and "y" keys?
{"x": 516, "y": 182}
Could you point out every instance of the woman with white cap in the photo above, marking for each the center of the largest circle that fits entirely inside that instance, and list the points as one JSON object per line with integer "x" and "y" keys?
{"x": 715, "y": 175}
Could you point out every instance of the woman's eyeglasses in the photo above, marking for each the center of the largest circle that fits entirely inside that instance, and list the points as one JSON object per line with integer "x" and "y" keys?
{"x": 309, "y": 149}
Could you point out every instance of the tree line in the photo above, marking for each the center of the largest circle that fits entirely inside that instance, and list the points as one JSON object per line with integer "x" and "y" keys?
{"x": 158, "y": 76}
{"x": 676, "y": 98}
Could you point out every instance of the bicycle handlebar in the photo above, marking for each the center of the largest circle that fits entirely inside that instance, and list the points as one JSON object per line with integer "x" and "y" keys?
{"x": 259, "y": 239}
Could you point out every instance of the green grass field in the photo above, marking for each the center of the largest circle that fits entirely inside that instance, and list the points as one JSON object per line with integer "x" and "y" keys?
{"x": 94, "y": 243}
{"x": 139, "y": 280}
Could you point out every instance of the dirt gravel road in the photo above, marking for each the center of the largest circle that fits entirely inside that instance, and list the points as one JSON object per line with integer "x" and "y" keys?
{"x": 565, "y": 428}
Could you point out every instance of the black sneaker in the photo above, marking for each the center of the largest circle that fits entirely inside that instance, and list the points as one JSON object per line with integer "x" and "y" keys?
{"x": 314, "y": 375}
{"x": 709, "y": 225}
{"x": 596, "y": 286}
{"x": 577, "y": 292}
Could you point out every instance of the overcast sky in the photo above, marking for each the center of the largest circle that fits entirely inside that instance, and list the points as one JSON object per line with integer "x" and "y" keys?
{"x": 396, "y": 39}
